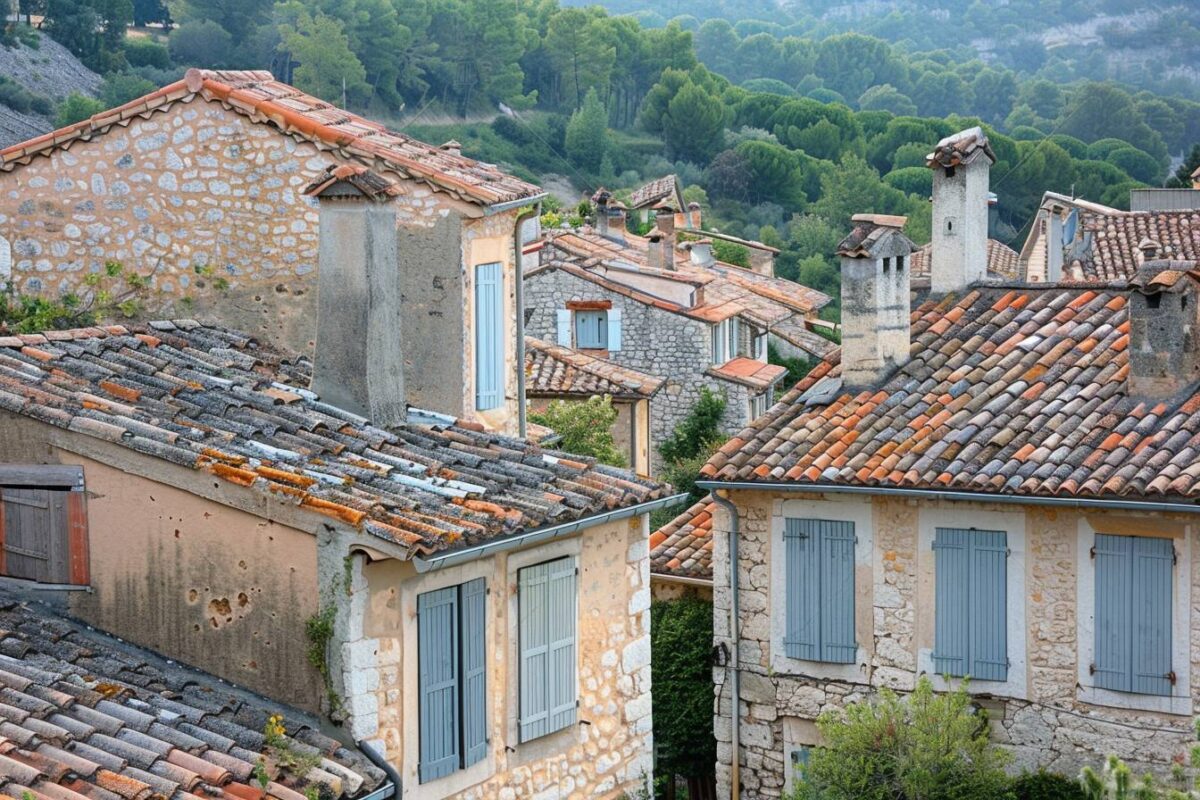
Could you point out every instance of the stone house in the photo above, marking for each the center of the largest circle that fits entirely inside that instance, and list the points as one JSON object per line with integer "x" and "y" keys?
{"x": 568, "y": 375}
{"x": 480, "y": 602}
{"x": 673, "y": 312}
{"x": 199, "y": 187}
{"x": 998, "y": 485}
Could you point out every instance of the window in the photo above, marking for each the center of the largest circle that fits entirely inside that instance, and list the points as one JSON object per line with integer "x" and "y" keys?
{"x": 591, "y": 330}
{"x": 1134, "y": 593}
{"x": 546, "y": 602}
{"x": 900, "y": 263}
{"x": 759, "y": 346}
{"x": 759, "y": 405}
{"x": 452, "y": 681}
{"x": 725, "y": 340}
{"x": 43, "y": 524}
{"x": 971, "y": 603}
{"x": 5, "y": 259}
{"x": 819, "y": 558}
{"x": 489, "y": 336}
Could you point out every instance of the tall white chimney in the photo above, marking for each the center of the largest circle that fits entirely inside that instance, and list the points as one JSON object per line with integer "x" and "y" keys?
{"x": 960, "y": 165}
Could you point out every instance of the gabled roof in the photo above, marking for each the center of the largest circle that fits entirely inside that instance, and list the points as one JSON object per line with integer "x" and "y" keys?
{"x": 1001, "y": 261}
{"x": 556, "y": 371}
{"x": 213, "y": 400}
{"x": 964, "y": 147}
{"x": 1011, "y": 391}
{"x": 683, "y": 547}
{"x": 89, "y": 717}
{"x": 659, "y": 189}
{"x": 258, "y": 96}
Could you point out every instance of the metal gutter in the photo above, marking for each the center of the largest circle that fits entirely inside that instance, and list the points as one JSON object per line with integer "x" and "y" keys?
{"x": 735, "y": 632}
{"x": 436, "y": 562}
{"x": 519, "y": 297}
{"x": 392, "y": 787}
{"x": 963, "y": 497}
{"x": 509, "y": 205}
{"x": 683, "y": 580}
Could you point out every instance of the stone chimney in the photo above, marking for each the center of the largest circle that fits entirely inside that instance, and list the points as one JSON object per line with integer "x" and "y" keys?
{"x": 453, "y": 147}
{"x": 1149, "y": 249}
{"x": 600, "y": 210}
{"x": 665, "y": 224}
{"x": 694, "y": 216}
{"x": 960, "y": 165}
{"x": 876, "y": 325}
{"x": 358, "y": 364}
{"x": 701, "y": 253}
{"x": 1164, "y": 353}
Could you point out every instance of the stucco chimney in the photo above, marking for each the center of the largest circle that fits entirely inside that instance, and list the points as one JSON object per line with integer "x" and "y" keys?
{"x": 600, "y": 210}
{"x": 665, "y": 223}
{"x": 701, "y": 253}
{"x": 960, "y": 165}
{"x": 358, "y": 364}
{"x": 1164, "y": 354}
{"x": 876, "y": 326}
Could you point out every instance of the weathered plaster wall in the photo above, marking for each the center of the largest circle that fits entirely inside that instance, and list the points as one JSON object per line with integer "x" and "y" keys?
{"x": 653, "y": 341}
{"x": 1040, "y": 716}
{"x": 671, "y": 590}
{"x": 602, "y": 759}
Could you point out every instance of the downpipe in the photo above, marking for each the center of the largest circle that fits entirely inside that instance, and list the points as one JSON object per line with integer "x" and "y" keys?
{"x": 736, "y": 635}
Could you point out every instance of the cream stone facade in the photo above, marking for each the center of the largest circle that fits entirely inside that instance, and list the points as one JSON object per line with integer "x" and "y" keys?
{"x": 1048, "y": 712}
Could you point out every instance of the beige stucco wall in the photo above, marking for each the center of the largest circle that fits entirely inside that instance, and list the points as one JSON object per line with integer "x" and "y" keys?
{"x": 609, "y": 755}
{"x": 1047, "y": 714}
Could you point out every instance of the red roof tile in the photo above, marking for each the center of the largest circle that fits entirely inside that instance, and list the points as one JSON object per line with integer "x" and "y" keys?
{"x": 683, "y": 547}
{"x": 556, "y": 371}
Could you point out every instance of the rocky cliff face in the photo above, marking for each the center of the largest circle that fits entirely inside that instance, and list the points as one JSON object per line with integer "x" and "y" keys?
{"x": 48, "y": 70}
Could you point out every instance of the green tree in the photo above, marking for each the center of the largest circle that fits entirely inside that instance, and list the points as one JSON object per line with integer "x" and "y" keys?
{"x": 680, "y": 670}
{"x": 911, "y": 180}
{"x": 76, "y": 108}
{"x": 121, "y": 87}
{"x": 854, "y": 188}
{"x": 940, "y": 94}
{"x": 582, "y": 49}
{"x": 885, "y": 97}
{"x": 1138, "y": 165}
{"x": 850, "y": 63}
{"x": 587, "y": 133}
{"x": 147, "y": 12}
{"x": 994, "y": 92}
{"x": 927, "y": 746}
{"x": 694, "y": 125}
{"x": 201, "y": 41}
{"x": 94, "y": 30}
{"x": 326, "y": 64}
{"x": 1100, "y": 110}
{"x": 241, "y": 19}
{"x": 585, "y": 428}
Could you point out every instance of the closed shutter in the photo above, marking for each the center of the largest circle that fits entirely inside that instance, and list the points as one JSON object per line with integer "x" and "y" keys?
{"x": 819, "y": 558}
{"x": 546, "y": 605}
{"x": 1153, "y": 570}
{"x": 36, "y": 534}
{"x": 614, "y": 330}
{"x": 951, "y": 562}
{"x": 1114, "y": 612}
{"x": 563, "y": 317}
{"x": 474, "y": 669}
{"x": 489, "y": 336}
{"x": 971, "y": 603}
{"x": 437, "y": 678}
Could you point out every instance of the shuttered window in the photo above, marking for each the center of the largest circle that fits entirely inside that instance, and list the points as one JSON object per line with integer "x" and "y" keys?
{"x": 591, "y": 330}
{"x": 452, "y": 679}
{"x": 819, "y": 557}
{"x": 43, "y": 524}
{"x": 1134, "y": 591}
{"x": 489, "y": 336}
{"x": 547, "y": 608}
{"x": 971, "y": 603}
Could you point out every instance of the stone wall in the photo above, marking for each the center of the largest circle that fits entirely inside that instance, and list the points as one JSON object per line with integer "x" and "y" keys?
{"x": 606, "y": 754}
{"x": 1039, "y": 715}
{"x": 653, "y": 340}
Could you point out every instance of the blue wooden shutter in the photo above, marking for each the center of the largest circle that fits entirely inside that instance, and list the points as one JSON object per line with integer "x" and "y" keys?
{"x": 437, "y": 678}
{"x": 474, "y": 671}
{"x": 951, "y": 566}
{"x": 838, "y": 644}
{"x": 819, "y": 558}
{"x": 1153, "y": 568}
{"x": 533, "y": 607}
{"x": 614, "y": 330}
{"x": 563, "y": 319}
{"x": 988, "y": 642}
{"x": 489, "y": 336}
{"x": 1114, "y": 612}
{"x": 561, "y": 685}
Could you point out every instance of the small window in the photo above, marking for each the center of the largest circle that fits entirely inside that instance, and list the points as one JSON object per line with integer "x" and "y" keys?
{"x": 43, "y": 524}
{"x": 726, "y": 336}
{"x": 1134, "y": 592}
{"x": 759, "y": 346}
{"x": 451, "y": 678}
{"x": 591, "y": 330}
{"x": 819, "y": 556}
{"x": 971, "y": 603}
{"x": 546, "y": 600}
{"x": 887, "y": 265}
{"x": 1154, "y": 300}
{"x": 759, "y": 405}
{"x": 900, "y": 263}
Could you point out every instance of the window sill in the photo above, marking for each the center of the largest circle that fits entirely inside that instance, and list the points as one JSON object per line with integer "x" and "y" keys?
{"x": 1013, "y": 687}
{"x": 547, "y": 746}
{"x": 595, "y": 352}
{"x": 1162, "y": 704}
{"x": 782, "y": 664}
{"x": 27, "y": 585}
{"x": 455, "y": 783}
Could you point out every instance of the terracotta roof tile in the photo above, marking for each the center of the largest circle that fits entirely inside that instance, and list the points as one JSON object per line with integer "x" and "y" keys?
{"x": 656, "y": 190}
{"x": 556, "y": 371}
{"x": 683, "y": 547}
{"x": 1001, "y": 261}
{"x": 223, "y": 416}
{"x": 267, "y": 101}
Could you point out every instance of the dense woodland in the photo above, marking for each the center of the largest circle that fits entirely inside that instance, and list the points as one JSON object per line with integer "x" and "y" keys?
{"x": 782, "y": 129}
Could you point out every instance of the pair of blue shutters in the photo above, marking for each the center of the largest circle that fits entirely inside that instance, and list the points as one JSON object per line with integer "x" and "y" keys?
{"x": 820, "y": 590}
{"x": 971, "y": 603}
{"x": 546, "y": 603}
{"x": 600, "y": 330}
{"x": 452, "y": 680}
{"x": 489, "y": 336}
{"x": 1134, "y": 590}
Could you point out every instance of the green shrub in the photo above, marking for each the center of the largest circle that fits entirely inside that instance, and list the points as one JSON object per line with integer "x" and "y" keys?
{"x": 698, "y": 431}
{"x": 1042, "y": 785}
{"x": 145, "y": 52}
{"x": 681, "y": 635}
{"x": 926, "y": 746}
{"x": 76, "y": 108}
{"x": 585, "y": 428}
{"x": 731, "y": 253}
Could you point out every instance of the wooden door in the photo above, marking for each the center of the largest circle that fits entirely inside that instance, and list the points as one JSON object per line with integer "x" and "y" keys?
{"x": 36, "y": 534}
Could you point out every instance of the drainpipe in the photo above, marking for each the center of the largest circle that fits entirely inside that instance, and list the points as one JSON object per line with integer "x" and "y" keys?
{"x": 735, "y": 634}
{"x": 520, "y": 298}
{"x": 392, "y": 787}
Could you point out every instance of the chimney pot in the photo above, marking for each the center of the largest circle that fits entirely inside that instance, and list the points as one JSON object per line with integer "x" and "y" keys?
{"x": 960, "y": 163}
{"x": 701, "y": 253}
